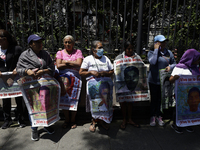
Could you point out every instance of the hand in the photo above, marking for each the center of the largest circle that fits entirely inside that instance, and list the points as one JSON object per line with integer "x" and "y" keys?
{"x": 167, "y": 69}
{"x": 103, "y": 73}
{"x": 30, "y": 73}
{"x": 133, "y": 56}
{"x": 65, "y": 62}
{"x": 14, "y": 72}
{"x": 0, "y": 74}
{"x": 157, "y": 45}
{"x": 39, "y": 73}
{"x": 95, "y": 73}
{"x": 176, "y": 77}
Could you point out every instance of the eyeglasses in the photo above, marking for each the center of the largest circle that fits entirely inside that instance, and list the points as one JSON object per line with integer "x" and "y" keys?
{"x": 69, "y": 42}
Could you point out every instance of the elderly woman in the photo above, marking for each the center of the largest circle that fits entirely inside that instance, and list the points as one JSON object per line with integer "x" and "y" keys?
{"x": 35, "y": 62}
{"x": 9, "y": 54}
{"x": 188, "y": 65}
{"x": 98, "y": 69}
{"x": 68, "y": 61}
{"x": 126, "y": 107}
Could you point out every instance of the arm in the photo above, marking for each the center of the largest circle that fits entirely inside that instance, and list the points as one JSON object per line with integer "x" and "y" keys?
{"x": 106, "y": 73}
{"x": 153, "y": 55}
{"x": 64, "y": 64}
{"x": 172, "y": 79}
{"x": 86, "y": 73}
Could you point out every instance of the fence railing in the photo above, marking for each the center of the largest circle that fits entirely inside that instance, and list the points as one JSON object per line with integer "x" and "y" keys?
{"x": 112, "y": 22}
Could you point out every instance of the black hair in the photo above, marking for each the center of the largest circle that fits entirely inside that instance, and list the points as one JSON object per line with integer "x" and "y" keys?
{"x": 127, "y": 43}
{"x": 130, "y": 68}
{"x": 193, "y": 89}
{"x": 11, "y": 40}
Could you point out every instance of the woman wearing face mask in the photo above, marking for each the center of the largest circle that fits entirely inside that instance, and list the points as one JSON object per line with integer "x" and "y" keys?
{"x": 97, "y": 68}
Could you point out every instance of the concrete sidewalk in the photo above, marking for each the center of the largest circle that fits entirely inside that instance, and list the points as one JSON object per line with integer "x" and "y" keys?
{"x": 146, "y": 137}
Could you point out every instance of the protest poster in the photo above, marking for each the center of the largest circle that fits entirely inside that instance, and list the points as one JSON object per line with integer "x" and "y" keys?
{"x": 131, "y": 80}
{"x": 8, "y": 85}
{"x": 187, "y": 92}
{"x": 100, "y": 96}
{"x": 167, "y": 90}
{"x": 42, "y": 98}
{"x": 72, "y": 82}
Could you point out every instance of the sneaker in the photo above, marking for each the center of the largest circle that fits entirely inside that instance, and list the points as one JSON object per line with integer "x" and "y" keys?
{"x": 176, "y": 129}
{"x": 50, "y": 130}
{"x": 153, "y": 121}
{"x": 159, "y": 120}
{"x": 189, "y": 129}
{"x": 6, "y": 124}
{"x": 21, "y": 123}
{"x": 34, "y": 135}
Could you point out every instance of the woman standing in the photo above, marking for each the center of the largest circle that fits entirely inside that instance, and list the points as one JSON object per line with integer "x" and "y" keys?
{"x": 159, "y": 58}
{"x": 9, "y": 54}
{"x": 35, "y": 62}
{"x": 186, "y": 66}
{"x": 98, "y": 69}
{"x": 69, "y": 58}
{"x": 126, "y": 107}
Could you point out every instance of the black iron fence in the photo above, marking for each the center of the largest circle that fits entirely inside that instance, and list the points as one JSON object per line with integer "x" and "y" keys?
{"x": 111, "y": 21}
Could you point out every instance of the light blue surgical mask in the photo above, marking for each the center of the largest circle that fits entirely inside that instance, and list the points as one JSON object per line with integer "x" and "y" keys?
{"x": 100, "y": 52}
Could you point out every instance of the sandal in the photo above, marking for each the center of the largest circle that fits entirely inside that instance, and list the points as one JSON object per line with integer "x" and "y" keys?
{"x": 65, "y": 125}
{"x": 73, "y": 125}
{"x": 123, "y": 126}
{"x": 135, "y": 125}
{"x": 92, "y": 128}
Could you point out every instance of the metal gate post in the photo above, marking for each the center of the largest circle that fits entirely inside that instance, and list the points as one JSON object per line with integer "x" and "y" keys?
{"x": 139, "y": 32}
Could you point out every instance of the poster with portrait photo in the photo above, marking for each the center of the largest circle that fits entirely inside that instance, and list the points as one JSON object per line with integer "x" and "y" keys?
{"x": 42, "y": 98}
{"x": 187, "y": 92}
{"x": 131, "y": 80}
{"x": 9, "y": 86}
{"x": 100, "y": 97}
{"x": 72, "y": 82}
{"x": 167, "y": 90}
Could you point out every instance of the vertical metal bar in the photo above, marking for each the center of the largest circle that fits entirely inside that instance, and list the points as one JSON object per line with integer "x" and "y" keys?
{"x": 52, "y": 38}
{"x": 117, "y": 23}
{"x": 156, "y": 19}
{"x": 74, "y": 19}
{"x": 81, "y": 24}
{"x": 139, "y": 35}
{"x": 182, "y": 19}
{"x": 59, "y": 9}
{"x": 175, "y": 23}
{"x": 148, "y": 24}
{"x": 29, "y": 22}
{"x": 189, "y": 23}
{"x": 88, "y": 23}
{"x": 5, "y": 15}
{"x": 110, "y": 42}
{"x": 36, "y": 16}
{"x": 124, "y": 22}
{"x": 44, "y": 22}
{"x": 96, "y": 20}
{"x": 22, "y": 24}
{"x": 170, "y": 11}
{"x": 13, "y": 13}
{"x": 103, "y": 20}
{"x": 131, "y": 20}
{"x": 195, "y": 22}
{"x": 163, "y": 14}
{"x": 66, "y": 17}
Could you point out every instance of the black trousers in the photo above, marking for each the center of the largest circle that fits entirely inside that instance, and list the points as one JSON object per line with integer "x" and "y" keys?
{"x": 155, "y": 105}
{"x": 7, "y": 108}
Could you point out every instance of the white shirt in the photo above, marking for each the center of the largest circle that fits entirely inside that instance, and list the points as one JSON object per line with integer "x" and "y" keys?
{"x": 180, "y": 71}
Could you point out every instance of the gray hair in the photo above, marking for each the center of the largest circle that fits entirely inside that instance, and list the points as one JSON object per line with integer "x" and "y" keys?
{"x": 69, "y": 36}
{"x": 94, "y": 45}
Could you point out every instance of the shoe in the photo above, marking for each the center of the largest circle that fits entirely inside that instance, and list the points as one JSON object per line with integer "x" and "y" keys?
{"x": 189, "y": 129}
{"x": 159, "y": 120}
{"x": 50, "y": 130}
{"x": 21, "y": 123}
{"x": 153, "y": 121}
{"x": 6, "y": 124}
{"x": 176, "y": 129}
{"x": 34, "y": 135}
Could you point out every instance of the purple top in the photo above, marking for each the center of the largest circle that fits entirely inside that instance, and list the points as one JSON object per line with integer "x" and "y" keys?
{"x": 190, "y": 56}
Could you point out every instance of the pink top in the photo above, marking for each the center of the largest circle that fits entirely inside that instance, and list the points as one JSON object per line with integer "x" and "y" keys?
{"x": 72, "y": 57}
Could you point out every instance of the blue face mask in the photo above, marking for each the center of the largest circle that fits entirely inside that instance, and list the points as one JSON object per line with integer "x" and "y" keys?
{"x": 100, "y": 52}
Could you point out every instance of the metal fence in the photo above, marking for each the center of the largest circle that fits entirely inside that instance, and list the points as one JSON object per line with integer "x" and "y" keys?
{"x": 111, "y": 22}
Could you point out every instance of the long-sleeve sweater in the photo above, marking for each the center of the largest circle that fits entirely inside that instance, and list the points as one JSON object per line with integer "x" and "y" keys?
{"x": 159, "y": 60}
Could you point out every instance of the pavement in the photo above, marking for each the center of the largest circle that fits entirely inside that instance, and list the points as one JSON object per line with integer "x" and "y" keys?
{"x": 144, "y": 138}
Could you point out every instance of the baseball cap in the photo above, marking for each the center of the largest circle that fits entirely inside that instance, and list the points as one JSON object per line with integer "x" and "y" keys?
{"x": 34, "y": 37}
{"x": 160, "y": 38}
